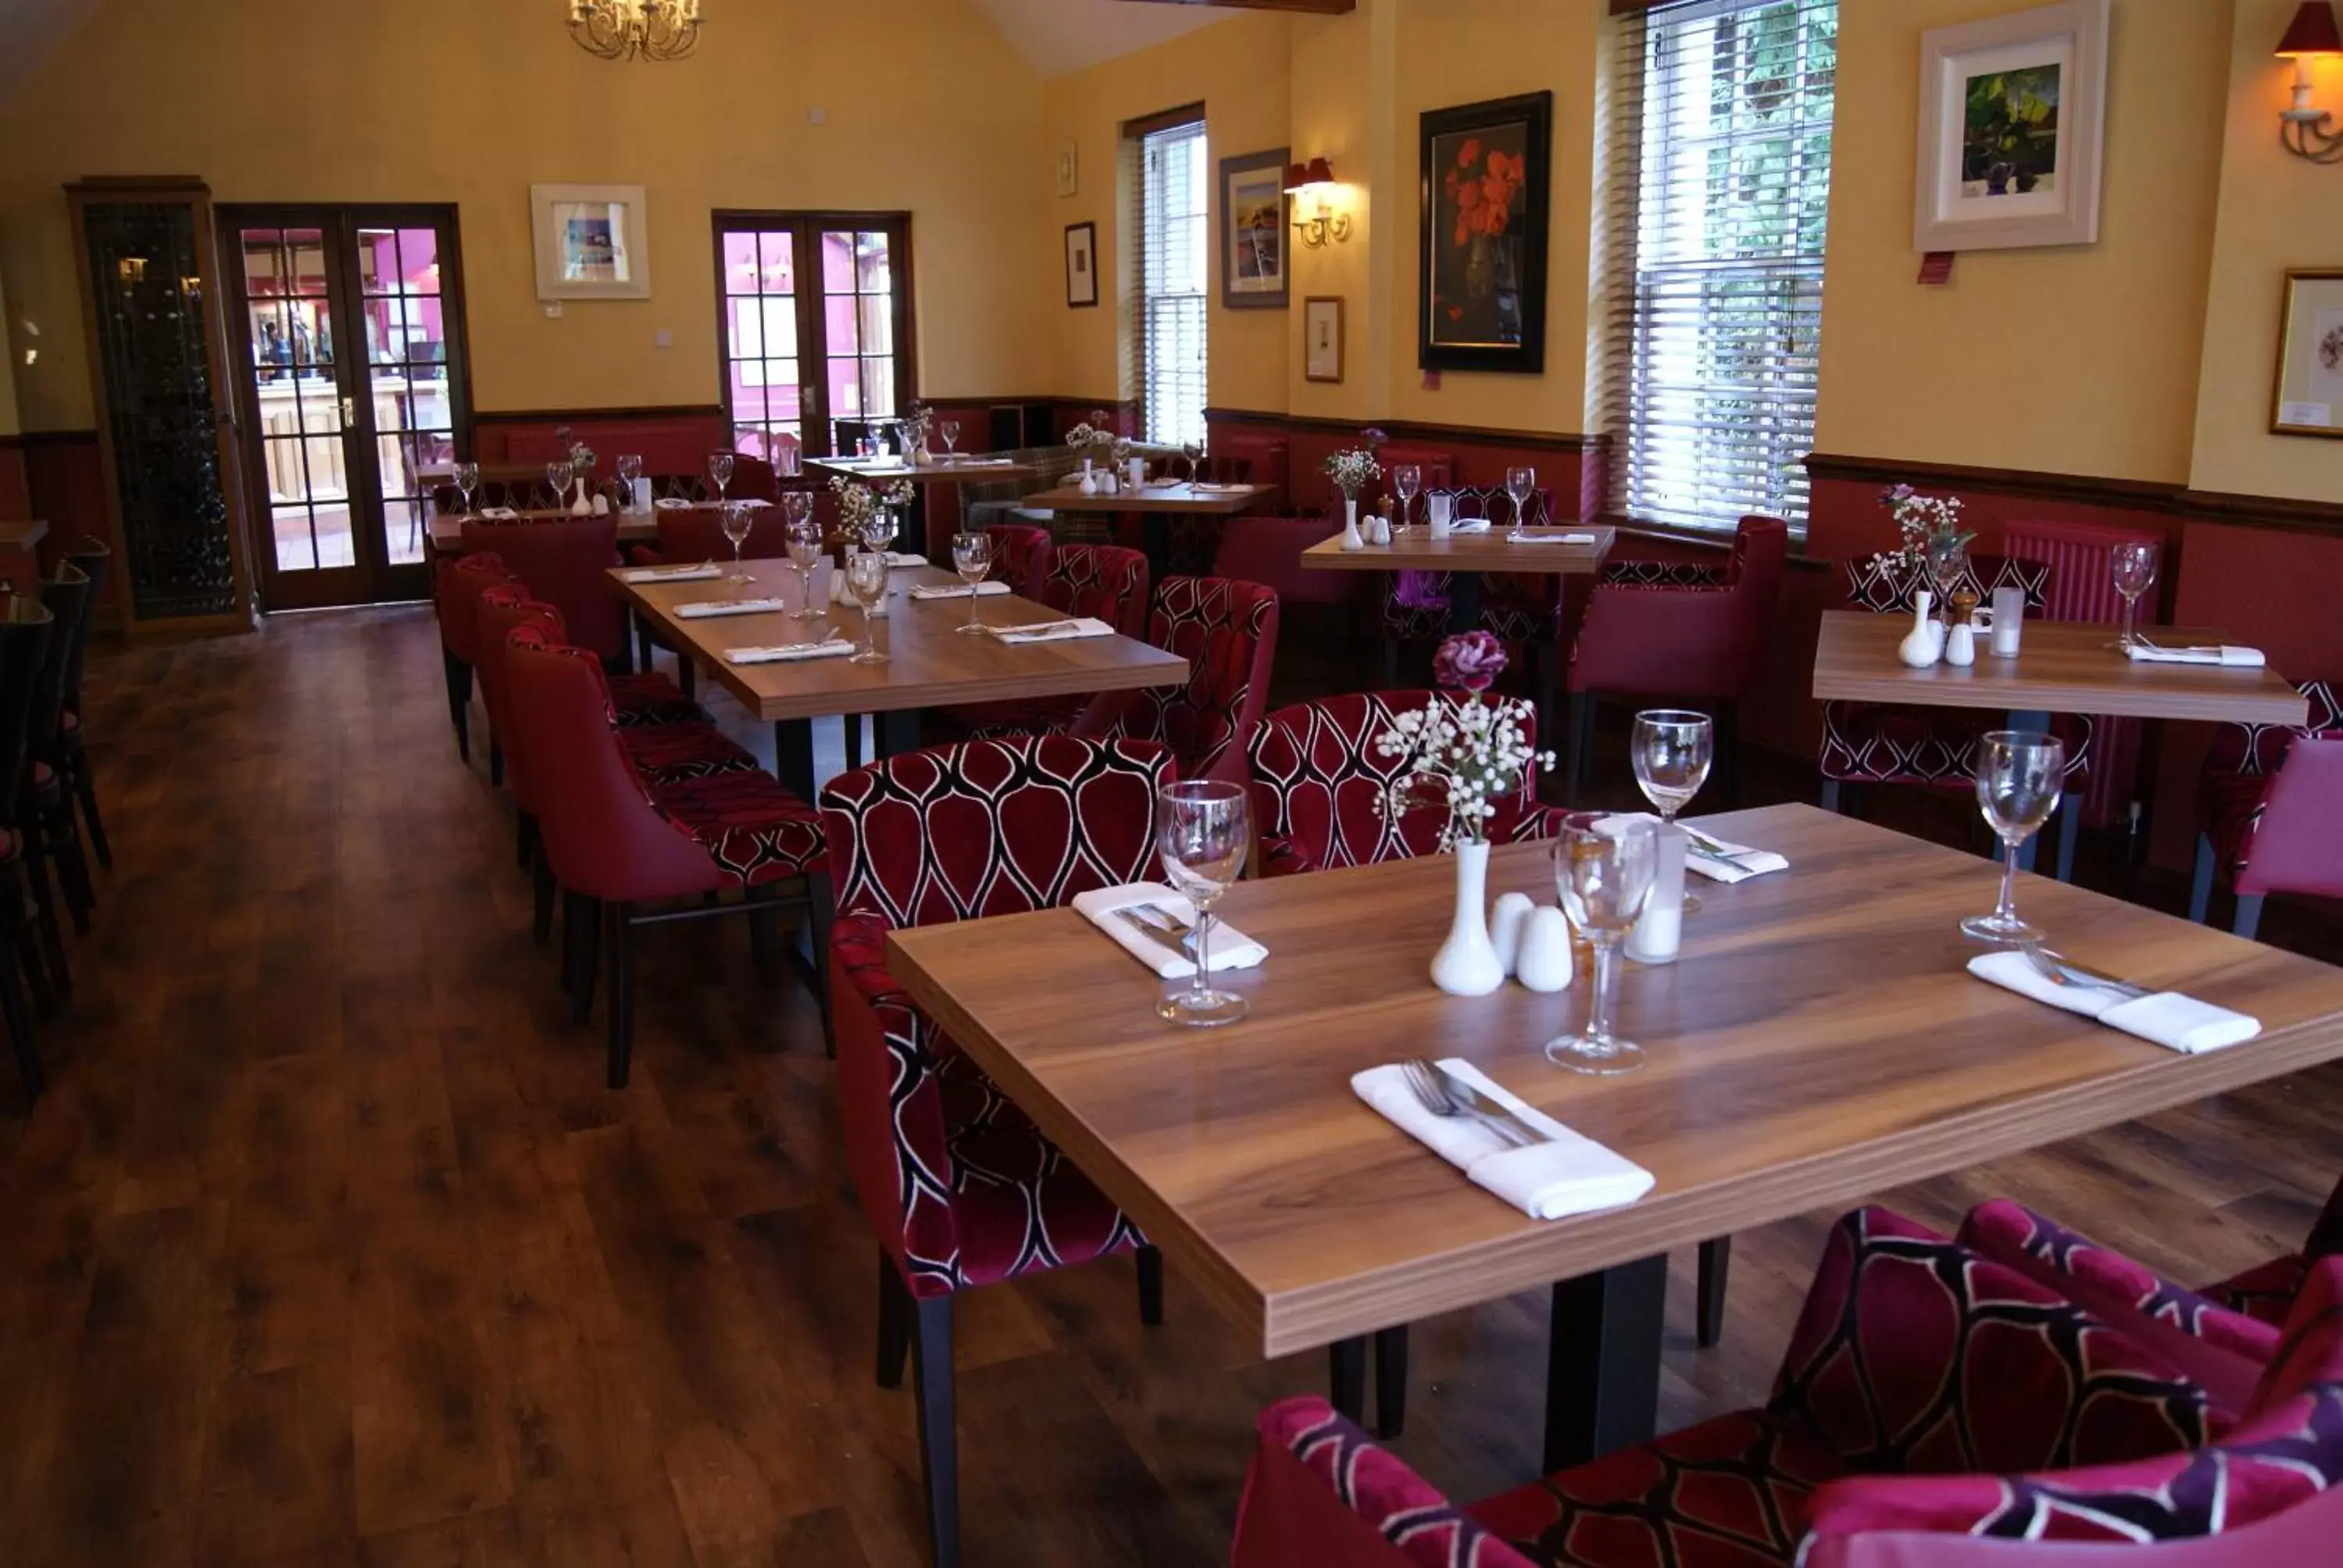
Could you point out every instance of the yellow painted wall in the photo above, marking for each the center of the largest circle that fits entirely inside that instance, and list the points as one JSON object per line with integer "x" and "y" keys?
{"x": 470, "y": 101}
{"x": 10, "y": 423}
{"x": 1341, "y": 93}
{"x": 2076, "y": 359}
{"x": 2277, "y": 211}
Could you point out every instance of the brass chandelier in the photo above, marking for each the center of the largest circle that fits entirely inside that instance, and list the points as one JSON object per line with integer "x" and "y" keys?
{"x": 636, "y": 29}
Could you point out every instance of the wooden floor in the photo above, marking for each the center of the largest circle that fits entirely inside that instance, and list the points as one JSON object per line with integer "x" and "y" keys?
{"x": 328, "y": 1246}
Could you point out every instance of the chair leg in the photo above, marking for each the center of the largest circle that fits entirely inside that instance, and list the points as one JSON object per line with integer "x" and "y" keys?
{"x": 1391, "y": 663}
{"x": 1830, "y": 795}
{"x": 895, "y": 1312}
{"x": 821, "y": 910}
{"x": 932, "y": 1373}
{"x": 1716, "y": 1259}
{"x": 21, "y": 938}
{"x": 2200, "y": 883}
{"x": 686, "y": 678}
{"x": 1582, "y": 743}
{"x": 44, "y": 906}
{"x": 585, "y": 936}
{"x": 2070, "y": 829}
{"x": 525, "y": 839}
{"x": 20, "y": 1028}
{"x": 621, "y": 924}
{"x": 1150, "y": 1286}
{"x": 73, "y": 871}
{"x": 851, "y": 725}
{"x": 85, "y": 788}
{"x": 2250, "y": 916}
{"x": 1391, "y": 1381}
{"x": 541, "y": 925}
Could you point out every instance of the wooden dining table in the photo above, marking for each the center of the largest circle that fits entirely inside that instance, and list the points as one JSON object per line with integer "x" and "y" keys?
{"x": 1560, "y": 551}
{"x": 1819, "y": 1043}
{"x": 445, "y": 531}
{"x": 1154, "y": 504}
{"x": 930, "y": 664}
{"x": 976, "y": 468}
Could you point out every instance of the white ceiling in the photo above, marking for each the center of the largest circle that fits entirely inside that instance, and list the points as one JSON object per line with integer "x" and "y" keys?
{"x": 1059, "y": 37}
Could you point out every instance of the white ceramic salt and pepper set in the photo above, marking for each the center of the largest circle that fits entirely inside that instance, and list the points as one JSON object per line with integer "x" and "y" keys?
{"x": 1930, "y": 641}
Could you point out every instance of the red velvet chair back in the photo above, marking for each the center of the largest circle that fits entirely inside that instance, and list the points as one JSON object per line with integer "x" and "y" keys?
{"x": 1020, "y": 557}
{"x": 1687, "y": 641}
{"x": 686, "y": 537}
{"x": 564, "y": 564}
{"x": 1267, "y": 551}
{"x": 2082, "y": 588}
{"x": 1103, "y": 582}
{"x": 503, "y": 610}
{"x": 457, "y": 586}
{"x": 1227, "y": 631}
{"x": 1266, "y": 457}
{"x": 2298, "y": 845}
{"x": 602, "y": 835}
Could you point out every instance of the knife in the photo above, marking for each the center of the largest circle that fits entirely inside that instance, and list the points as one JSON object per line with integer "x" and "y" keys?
{"x": 1480, "y": 1104}
{"x": 1184, "y": 939}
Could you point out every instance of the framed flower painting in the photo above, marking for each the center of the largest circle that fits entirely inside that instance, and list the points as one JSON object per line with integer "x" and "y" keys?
{"x": 2013, "y": 110}
{"x": 1481, "y": 296}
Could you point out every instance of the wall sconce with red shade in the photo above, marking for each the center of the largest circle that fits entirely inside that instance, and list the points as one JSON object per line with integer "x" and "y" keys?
{"x": 2303, "y": 128}
{"x": 1316, "y": 178}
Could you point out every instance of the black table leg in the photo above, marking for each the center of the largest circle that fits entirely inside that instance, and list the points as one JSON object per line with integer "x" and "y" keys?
{"x": 1464, "y": 602}
{"x": 899, "y": 731}
{"x": 1155, "y": 534}
{"x": 1602, "y": 1364}
{"x": 1346, "y": 1377}
{"x": 793, "y": 755}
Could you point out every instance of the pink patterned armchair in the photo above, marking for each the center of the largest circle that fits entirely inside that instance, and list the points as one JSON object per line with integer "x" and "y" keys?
{"x": 2039, "y": 1426}
{"x": 959, "y": 1188}
{"x": 1227, "y": 631}
{"x": 2267, "y": 809}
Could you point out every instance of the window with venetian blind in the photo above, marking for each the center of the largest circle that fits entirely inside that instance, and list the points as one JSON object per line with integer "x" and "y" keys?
{"x": 1173, "y": 279}
{"x": 1711, "y": 263}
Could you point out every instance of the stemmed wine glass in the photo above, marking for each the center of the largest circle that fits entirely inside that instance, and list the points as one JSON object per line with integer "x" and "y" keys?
{"x": 1407, "y": 483}
{"x": 802, "y": 537}
{"x": 866, "y": 579}
{"x": 1948, "y": 563}
{"x": 1521, "y": 483}
{"x": 719, "y": 473}
{"x": 468, "y": 480}
{"x": 558, "y": 474}
{"x": 737, "y": 524}
{"x": 2020, "y": 774}
{"x": 2134, "y": 565}
{"x": 630, "y": 468}
{"x": 1605, "y": 870}
{"x": 1203, "y": 829}
{"x": 973, "y": 558}
{"x": 950, "y": 430}
{"x": 1672, "y": 750}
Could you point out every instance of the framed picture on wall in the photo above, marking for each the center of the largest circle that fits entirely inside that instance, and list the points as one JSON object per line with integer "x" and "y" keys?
{"x": 2309, "y": 397}
{"x": 1082, "y": 266}
{"x": 1481, "y": 298}
{"x": 1254, "y": 273}
{"x": 591, "y": 242}
{"x": 2013, "y": 110}
{"x": 1321, "y": 334}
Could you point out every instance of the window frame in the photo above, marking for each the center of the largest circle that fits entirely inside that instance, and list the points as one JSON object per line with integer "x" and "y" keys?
{"x": 1136, "y": 135}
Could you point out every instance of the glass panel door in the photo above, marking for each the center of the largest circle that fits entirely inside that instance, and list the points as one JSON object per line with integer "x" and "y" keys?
{"x": 859, "y": 308}
{"x": 294, "y": 403}
{"x": 760, "y": 334}
{"x": 403, "y": 313}
{"x": 814, "y": 328}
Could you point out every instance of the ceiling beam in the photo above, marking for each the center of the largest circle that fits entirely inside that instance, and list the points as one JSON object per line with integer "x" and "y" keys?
{"x": 1315, "y": 7}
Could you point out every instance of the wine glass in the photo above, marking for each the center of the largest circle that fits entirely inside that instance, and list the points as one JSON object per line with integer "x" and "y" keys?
{"x": 1948, "y": 562}
{"x": 630, "y": 468}
{"x": 736, "y": 523}
{"x": 950, "y": 430}
{"x": 2020, "y": 774}
{"x": 1672, "y": 749}
{"x": 865, "y": 580}
{"x": 1203, "y": 829}
{"x": 973, "y": 558}
{"x": 2134, "y": 565}
{"x": 1521, "y": 483}
{"x": 1605, "y": 869}
{"x": 802, "y": 537}
{"x": 1407, "y": 483}
{"x": 881, "y": 531}
{"x": 558, "y": 474}
{"x": 719, "y": 473}
{"x": 468, "y": 480}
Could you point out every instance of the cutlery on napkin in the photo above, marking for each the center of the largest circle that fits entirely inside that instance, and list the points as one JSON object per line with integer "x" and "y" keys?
{"x": 673, "y": 504}
{"x": 1712, "y": 857}
{"x": 2167, "y": 1018}
{"x": 1102, "y": 907}
{"x": 500, "y": 514}
{"x": 905, "y": 558}
{"x": 1549, "y": 537}
{"x": 700, "y": 573}
{"x": 2224, "y": 654}
{"x": 1568, "y": 1173}
{"x": 1469, "y": 525}
{"x": 831, "y": 647}
{"x": 959, "y": 590}
{"x": 700, "y": 609}
{"x": 1053, "y": 631}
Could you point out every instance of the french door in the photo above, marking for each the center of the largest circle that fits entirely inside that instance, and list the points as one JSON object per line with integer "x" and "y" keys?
{"x": 814, "y": 325}
{"x": 347, "y": 324}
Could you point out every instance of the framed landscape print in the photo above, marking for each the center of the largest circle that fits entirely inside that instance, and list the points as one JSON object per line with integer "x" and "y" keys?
{"x": 1254, "y": 233}
{"x": 1321, "y": 334}
{"x": 2309, "y": 397}
{"x": 2013, "y": 110}
{"x": 590, "y": 242}
{"x": 1487, "y": 171}
{"x": 1082, "y": 266}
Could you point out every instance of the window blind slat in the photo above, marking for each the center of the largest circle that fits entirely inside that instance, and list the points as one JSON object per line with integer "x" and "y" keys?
{"x": 1173, "y": 267}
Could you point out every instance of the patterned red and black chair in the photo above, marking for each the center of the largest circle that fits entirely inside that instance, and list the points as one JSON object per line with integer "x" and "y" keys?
{"x": 1934, "y": 1407}
{"x": 47, "y": 807}
{"x": 96, "y": 562}
{"x": 1267, "y": 550}
{"x": 1227, "y": 631}
{"x": 1020, "y": 557}
{"x": 1514, "y": 607}
{"x": 1650, "y": 633}
{"x": 960, "y": 1190}
{"x": 457, "y": 585}
{"x": 617, "y": 842}
{"x": 1102, "y": 582}
{"x": 1868, "y": 743}
{"x": 25, "y": 631}
{"x": 2267, "y": 807}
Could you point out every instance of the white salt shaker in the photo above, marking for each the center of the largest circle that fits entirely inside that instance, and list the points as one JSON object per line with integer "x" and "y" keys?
{"x": 1960, "y": 645}
{"x": 2008, "y": 621}
{"x": 1506, "y": 922}
{"x": 1544, "y": 962}
{"x": 1658, "y": 936}
{"x": 1440, "y": 510}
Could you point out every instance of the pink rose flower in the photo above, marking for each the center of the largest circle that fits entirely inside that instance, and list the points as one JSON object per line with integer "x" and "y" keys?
{"x": 1469, "y": 661}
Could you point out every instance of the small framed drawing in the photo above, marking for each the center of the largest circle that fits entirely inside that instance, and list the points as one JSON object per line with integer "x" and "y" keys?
{"x": 591, "y": 242}
{"x": 1082, "y": 266}
{"x": 2013, "y": 110}
{"x": 1069, "y": 167}
{"x": 1254, "y": 209}
{"x": 1322, "y": 328}
{"x": 2309, "y": 397}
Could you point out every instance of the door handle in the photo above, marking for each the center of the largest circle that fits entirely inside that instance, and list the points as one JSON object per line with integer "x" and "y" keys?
{"x": 349, "y": 412}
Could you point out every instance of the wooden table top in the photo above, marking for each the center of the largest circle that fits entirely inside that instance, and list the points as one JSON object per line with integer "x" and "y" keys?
{"x": 933, "y": 666}
{"x": 447, "y": 529}
{"x": 1819, "y": 1043}
{"x": 22, "y": 533}
{"x": 886, "y": 470}
{"x": 2062, "y": 667}
{"x": 1415, "y": 549}
{"x": 1183, "y": 498}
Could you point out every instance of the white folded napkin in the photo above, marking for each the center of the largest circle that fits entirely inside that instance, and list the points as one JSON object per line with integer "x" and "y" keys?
{"x": 1469, "y": 525}
{"x": 1572, "y": 1175}
{"x": 1743, "y": 864}
{"x": 702, "y": 609}
{"x": 500, "y": 514}
{"x": 1204, "y": 488}
{"x": 1550, "y": 537}
{"x": 673, "y": 574}
{"x": 754, "y": 503}
{"x": 959, "y": 590}
{"x": 673, "y": 504}
{"x": 2167, "y": 1018}
{"x": 905, "y": 558}
{"x": 785, "y": 652}
{"x": 1053, "y": 631}
{"x": 1231, "y": 948}
{"x": 2241, "y": 657}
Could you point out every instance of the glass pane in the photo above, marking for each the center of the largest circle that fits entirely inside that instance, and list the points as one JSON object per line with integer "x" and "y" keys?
{"x": 838, "y": 313}
{"x": 749, "y": 391}
{"x": 739, "y": 262}
{"x": 877, "y": 323}
{"x": 845, "y": 390}
{"x": 281, "y": 459}
{"x": 777, "y": 273}
{"x": 401, "y": 460}
{"x": 419, "y": 260}
{"x": 837, "y": 263}
{"x": 308, "y": 261}
{"x": 336, "y": 545}
{"x": 263, "y": 263}
{"x": 870, "y": 260}
{"x": 879, "y": 388}
{"x": 272, "y": 351}
{"x": 782, "y": 395}
{"x": 296, "y": 550}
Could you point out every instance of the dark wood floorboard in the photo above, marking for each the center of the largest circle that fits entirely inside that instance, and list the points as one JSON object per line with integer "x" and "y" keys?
{"x": 329, "y": 1247}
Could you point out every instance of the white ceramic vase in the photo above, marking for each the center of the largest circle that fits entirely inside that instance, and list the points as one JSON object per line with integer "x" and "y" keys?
{"x": 1925, "y": 643}
{"x": 1467, "y": 963}
{"x": 1352, "y": 539}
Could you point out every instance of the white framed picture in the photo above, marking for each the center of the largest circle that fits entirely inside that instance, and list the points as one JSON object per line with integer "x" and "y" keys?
{"x": 1321, "y": 329}
{"x": 2309, "y": 397}
{"x": 591, "y": 242}
{"x": 2013, "y": 114}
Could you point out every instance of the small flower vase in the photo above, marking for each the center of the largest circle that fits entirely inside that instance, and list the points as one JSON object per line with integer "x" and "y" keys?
{"x": 1925, "y": 643}
{"x": 1467, "y": 963}
{"x": 1352, "y": 539}
{"x": 922, "y": 456}
{"x": 1090, "y": 484}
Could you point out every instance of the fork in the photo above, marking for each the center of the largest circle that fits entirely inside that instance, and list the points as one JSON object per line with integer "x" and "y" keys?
{"x": 1423, "y": 1082}
{"x": 2067, "y": 975}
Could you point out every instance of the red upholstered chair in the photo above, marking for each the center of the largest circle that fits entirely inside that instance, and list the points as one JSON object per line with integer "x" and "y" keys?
{"x": 959, "y": 1188}
{"x": 1267, "y": 550}
{"x": 1227, "y": 631}
{"x": 455, "y": 585}
{"x": 2268, "y": 805}
{"x": 620, "y": 842}
{"x": 690, "y": 534}
{"x": 2082, "y": 588}
{"x": 1020, "y": 557}
{"x": 564, "y": 564}
{"x": 1653, "y": 633}
{"x": 1513, "y": 607}
{"x": 1935, "y": 748}
{"x": 2044, "y": 1424}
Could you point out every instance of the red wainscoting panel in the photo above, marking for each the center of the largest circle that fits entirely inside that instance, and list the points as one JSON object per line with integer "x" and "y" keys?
{"x": 16, "y": 493}
{"x": 65, "y": 478}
